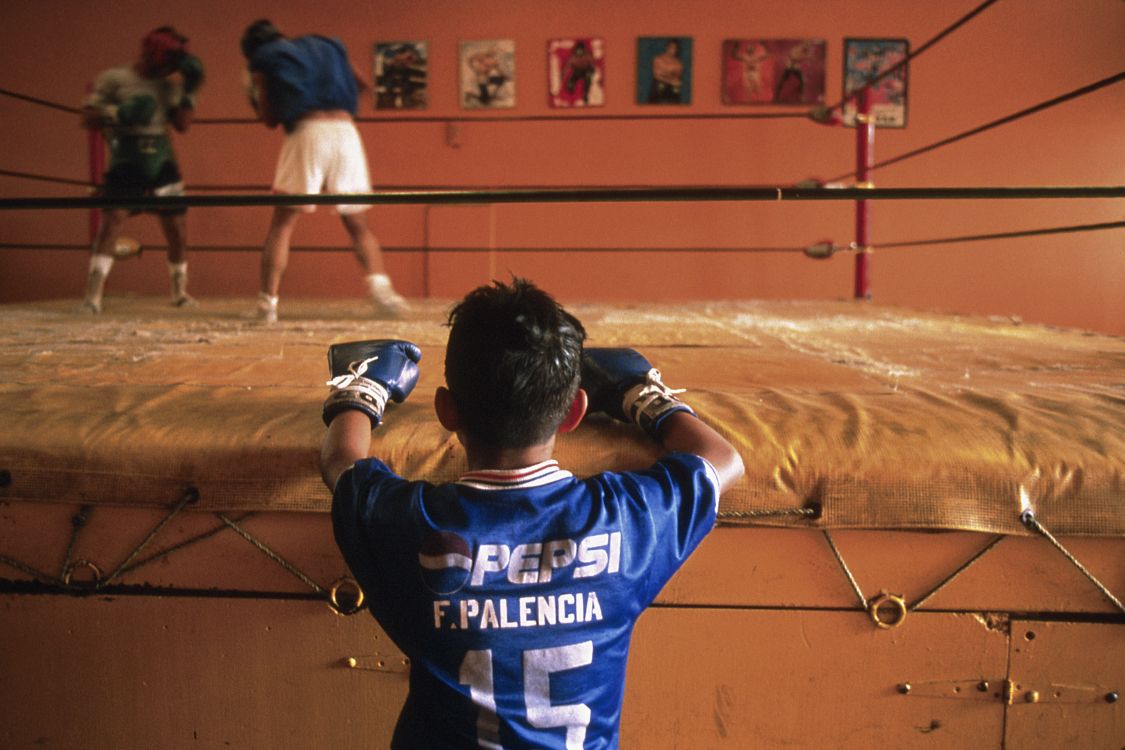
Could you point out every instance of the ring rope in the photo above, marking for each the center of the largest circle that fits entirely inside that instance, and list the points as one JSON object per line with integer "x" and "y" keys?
{"x": 42, "y": 102}
{"x": 273, "y": 555}
{"x": 77, "y": 524}
{"x": 531, "y": 118}
{"x": 1030, "y": 521}
{"x": 190, "y": 495}
{"x": 34, "y": 573}
{"x": 182, "y": 545}
{"x": 577, "y": 195}
{"x": 949, "y": 579}
{"x": 847, "y": 571}
{"x": 1090, "y": 88}
{"x": 906, "y": 60}
{"x": 45, "y": 178}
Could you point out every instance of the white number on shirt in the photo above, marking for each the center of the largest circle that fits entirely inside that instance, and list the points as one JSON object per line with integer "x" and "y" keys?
{"x": 538, "y": 664}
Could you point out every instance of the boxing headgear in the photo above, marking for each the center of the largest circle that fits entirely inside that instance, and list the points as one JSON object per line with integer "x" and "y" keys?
{"x": 162, "y": 49}
{"x": 257, "y": 34}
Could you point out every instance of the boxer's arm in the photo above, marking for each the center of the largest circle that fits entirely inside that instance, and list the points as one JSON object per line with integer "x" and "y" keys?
{"x": 182, "y": 118}
{"x": 261, "y": 89}
{"x": 348, "y": 440}
{"x": 365, "y": 375}
{"x": 681, "y": 432}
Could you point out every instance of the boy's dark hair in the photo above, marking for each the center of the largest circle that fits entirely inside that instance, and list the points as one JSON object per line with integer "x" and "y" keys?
{"x": 513, "y": 363}
{"x": 258, "y": 33}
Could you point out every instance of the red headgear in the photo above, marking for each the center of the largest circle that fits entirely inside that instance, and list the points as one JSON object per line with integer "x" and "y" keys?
{"x": 162, "y": 49}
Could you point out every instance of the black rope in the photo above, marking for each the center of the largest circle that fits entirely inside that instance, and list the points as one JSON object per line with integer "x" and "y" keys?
{"x": 801, "y": 115}
{"x": 575, "y": 195}
{"x": 42, "y": 102}
{"x": 911, "y": 56}
{"x": 1005, "y": 235}
{"x": 420, "y": 249}
{"x": 44, "y": 178}
{"x": 995, "y": 123}
{"x": 632, "y": 249}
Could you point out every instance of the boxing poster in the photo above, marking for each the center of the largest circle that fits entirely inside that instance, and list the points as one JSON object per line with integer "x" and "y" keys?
{"x": 773, "y": 71}
{"x": 664, "y": 70}
{"x": 576, "y": 71}
{"x": 488, "y": 74}
{"x": 400, "y": 75}
{"x": 864, "y": 60}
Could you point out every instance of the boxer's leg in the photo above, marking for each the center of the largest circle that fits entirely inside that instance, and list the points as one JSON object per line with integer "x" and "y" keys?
{"x": 175, "y": 232}
{"x": 275, "y": 258}
{"x": 349, "y": 175}
{"x": 102, "y": 259}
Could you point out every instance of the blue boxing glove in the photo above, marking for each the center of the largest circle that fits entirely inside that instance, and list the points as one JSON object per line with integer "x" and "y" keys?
{"x": 365, "y": 374}
{"x": 136, "y": 110}
{"x": 622, "y": 383}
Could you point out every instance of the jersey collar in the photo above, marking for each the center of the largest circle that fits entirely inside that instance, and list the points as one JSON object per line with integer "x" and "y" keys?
{"x": 535, "y": 475}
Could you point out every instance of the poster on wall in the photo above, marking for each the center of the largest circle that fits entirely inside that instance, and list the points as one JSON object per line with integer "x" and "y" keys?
{"x": 864, "y": 60}
{"x": 400, "y": 75}
{"x": 576, "y": 71}
{"x": 488, "y": 74}
{"x": 773, "y": 71}
{"x": 664, "y": 70}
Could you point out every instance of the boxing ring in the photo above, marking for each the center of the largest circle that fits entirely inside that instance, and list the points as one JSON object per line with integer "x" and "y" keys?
{"x": 927, "y": 544}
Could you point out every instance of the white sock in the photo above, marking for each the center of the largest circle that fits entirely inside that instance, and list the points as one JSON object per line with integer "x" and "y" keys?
{"x": 95, "y": 281}
{"x": 177, "y": 272}
{"x": 267, "y": 301}
{"x": 379, "y": 285}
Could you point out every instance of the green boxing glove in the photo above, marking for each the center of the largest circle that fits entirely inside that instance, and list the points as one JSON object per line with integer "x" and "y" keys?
{"x": 191, "y": 68}
{"x": 136, "y": 110}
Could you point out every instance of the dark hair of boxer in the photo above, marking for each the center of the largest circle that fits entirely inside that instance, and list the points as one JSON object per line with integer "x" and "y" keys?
{"x": 258, "y": 33}
{"x": 513, "y": 363}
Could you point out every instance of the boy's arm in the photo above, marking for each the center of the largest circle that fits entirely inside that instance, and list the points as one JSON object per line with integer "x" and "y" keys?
{"x": 365, "y": 375}
{"x": 682, "y": 432}
{"x": 348, "y": 440}
{"x": 622, "y": 383}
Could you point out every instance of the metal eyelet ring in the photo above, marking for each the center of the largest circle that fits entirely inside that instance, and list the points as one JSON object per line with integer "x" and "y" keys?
{"x": 881, "y": 604}
{"x": 353, "y": 596}
{"x": 82, "y": 564}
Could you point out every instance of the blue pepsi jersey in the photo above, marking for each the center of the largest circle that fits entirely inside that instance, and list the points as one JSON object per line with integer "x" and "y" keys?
{"x": 305, "y": 74}
{"x": 514, "y": 593}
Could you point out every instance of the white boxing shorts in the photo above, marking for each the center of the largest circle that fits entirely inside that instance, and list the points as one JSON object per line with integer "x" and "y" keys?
{"x": 323, "y": 155}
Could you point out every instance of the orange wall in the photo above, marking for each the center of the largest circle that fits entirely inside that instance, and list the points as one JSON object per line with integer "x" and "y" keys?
{"x": 1014, "y": 55}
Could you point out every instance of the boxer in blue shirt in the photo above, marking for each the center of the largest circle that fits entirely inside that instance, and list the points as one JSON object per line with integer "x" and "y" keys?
{"x": 514, "y": 590}
{"x": 307, "y": 85}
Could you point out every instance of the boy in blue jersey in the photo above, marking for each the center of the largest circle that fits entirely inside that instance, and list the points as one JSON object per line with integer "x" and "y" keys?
{"x": 514, "y": 590}
{"x": 307, "y": 85}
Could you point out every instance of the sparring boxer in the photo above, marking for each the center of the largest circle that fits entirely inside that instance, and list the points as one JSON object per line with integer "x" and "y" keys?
{"x": 307, "y": 85}
{"x": 135, "y": 105}
{"x": 514, "y": 590}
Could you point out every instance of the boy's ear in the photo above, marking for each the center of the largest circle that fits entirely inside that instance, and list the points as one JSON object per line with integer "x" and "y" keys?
{"x": 446, "y": 409}
{"x": 577, "y": 411}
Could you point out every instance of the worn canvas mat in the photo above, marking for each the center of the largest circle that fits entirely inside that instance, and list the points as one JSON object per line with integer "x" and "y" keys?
{"x": 885, "y": 418}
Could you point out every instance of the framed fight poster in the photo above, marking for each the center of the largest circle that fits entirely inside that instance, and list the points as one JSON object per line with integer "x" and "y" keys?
{"x": 773, "y": 71}
{"x": 664, "y": 70}
{"x": 488, "y": 74}
{"x": 400, "y": 75}
{"x": 576, "y": 72}
{"x": 864, "y": 60}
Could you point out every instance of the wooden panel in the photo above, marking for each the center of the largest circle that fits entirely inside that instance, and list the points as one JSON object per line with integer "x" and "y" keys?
{"x": 796, "y": 568}
{"x": 1072, "y": 666}
{"x": 170, "y": 673}
{"x": 768, "y": 679}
